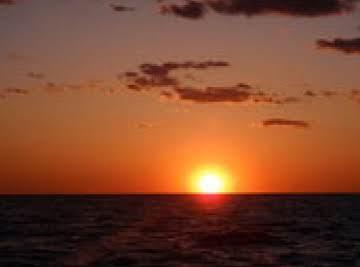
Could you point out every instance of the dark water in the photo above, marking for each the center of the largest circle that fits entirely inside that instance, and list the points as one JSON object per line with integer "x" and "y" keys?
{"x": 322, "y": 230}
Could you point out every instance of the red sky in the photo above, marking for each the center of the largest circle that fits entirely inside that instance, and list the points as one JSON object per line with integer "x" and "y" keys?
{"x": 102, "y": 98}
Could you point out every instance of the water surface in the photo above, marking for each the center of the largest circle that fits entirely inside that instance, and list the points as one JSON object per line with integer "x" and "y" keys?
{"x": 180, "y": 230}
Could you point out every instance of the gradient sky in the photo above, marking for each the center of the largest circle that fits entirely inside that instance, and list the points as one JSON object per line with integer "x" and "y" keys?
{"x": 270, "y": 94}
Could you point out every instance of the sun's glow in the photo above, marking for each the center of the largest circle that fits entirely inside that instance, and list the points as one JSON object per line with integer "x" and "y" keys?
{"x": 210, "y": 181}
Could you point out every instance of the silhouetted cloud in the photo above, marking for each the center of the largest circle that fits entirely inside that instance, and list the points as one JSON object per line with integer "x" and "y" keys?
{"x": 36, "y": 75}
{"x": 347, "y": 46}
{"x": 329, "y": 93}
{"x": 355, "y": 95}
{"x": 165, "y": 68}
{"x": 287, "y": 100}
{"x": 191, "y": 9}
{"x": 244, "y": 86}
{"x": 52, "y": 87}
{"x": 230, "y": 94}
{"x": 310, "y": 93}
{"x": 298, "y": 8}
{"x": 152, "y": 75}
{"x": 213, "y": 94}
{"x": 262, "y": 97}
{"x": 7, "y": 2}
{"x": 286, "y": 123}
{"x": 355, "y": 92}
{"x": 15, "y": 91}
{"x": 121, "y": 8}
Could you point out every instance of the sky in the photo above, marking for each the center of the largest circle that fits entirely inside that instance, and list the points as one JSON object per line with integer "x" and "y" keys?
{"x": 136, "y": 96}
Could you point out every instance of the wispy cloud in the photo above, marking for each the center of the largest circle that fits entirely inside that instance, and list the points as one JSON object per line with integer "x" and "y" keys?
{"x": 286, "y": 123}
{"x": 355, "y": 95}
{"x": 213, "y": 94}
{"x": 196, "y": 9}
{"x": 190, "y": 10}
{"x": 150, "y": 75}
{"x": 310, "y": 93}
{"x": 36, "y": 75}
{"x": 347, "y": 46}
{"x": 7, "y": 2}
{"x": 159, "y": 78}
{"x": 121, "y": 8}
{"x": 14, "y": 91}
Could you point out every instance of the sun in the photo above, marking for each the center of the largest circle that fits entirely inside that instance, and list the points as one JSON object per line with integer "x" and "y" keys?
{"x": 210, "y": 181}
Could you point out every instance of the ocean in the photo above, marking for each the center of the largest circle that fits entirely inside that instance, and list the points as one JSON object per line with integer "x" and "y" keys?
{"x": 180, "y": 230}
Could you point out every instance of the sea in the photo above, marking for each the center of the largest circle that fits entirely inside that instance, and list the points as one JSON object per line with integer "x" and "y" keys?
{"x": 180, "y": 230}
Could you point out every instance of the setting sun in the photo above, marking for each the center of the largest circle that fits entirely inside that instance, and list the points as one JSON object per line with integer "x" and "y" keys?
{"x": 210, "y": 181}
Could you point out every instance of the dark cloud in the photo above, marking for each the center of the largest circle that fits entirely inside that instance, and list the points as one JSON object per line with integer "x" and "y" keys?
{"x": 266, "y": 98}
{"x": 7, "y": 2}
{"x": 244, "y": 86}
{"x": 131, "y": 74}
{"x": 52, "y": 87}
{"x": 286, "y": 123}
{"x": 297, "y": 8}
{"x": 120, "y": 8}
{"x": 329, "y": 93}
{"x": 165, "y": 68}
{"x": 190, "y": 9}
{"x": 347, "y": 46}
{"x": 15, "y": 91}
{"x": 152, "y": 75}
{"x": 213, "y": 94}
{"x": 301, "y": 8}
{"x": 287, "y": 100}
{"x": 355, "y": 95}
{"x": 36, "y": 75}
{"x": 234, "y": 94}
{"x": 310, "y": 93}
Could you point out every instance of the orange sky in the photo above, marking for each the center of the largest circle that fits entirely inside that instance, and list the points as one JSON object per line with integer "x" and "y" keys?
{"x": 97, "y": 99}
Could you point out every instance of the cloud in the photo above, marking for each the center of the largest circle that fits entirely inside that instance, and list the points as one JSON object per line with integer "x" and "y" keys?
{"x": 329, "y": 93}
{"x": 150, "y": 75}
{"x": 263, "y": 97}
{"x": 159, "y": 77}
{"x": 285, "y": 123}
{"x": 287, "y": 100}
{"x": 310, "y": 93}
{"x": 347, "y": 46}
{"x": 355, "y": 95}
{"x": 191, "y": 9}
{"x": 15, "y": 91}
{"x": 36, "y": 75}
{"x": 213, "y": 94}
{"x": 7, "y": 2}
{"x": 165, "y": 68}
{"x": 120, "y": 8}
{"x": 297, "y": 8}
{"x": 244, "y": 86}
